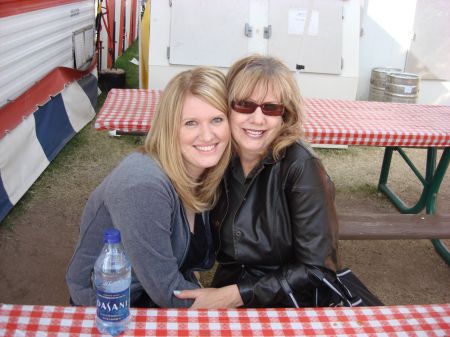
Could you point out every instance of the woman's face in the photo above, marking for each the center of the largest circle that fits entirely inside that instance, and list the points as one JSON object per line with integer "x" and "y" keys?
{"x": 253, "y": 133}
{"x": 204, "y": 135}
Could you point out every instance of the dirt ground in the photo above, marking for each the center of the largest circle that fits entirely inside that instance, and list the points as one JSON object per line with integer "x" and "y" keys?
{"x": 37, "y": 239}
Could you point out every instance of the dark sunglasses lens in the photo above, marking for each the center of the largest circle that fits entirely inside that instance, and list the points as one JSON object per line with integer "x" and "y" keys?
{"x": 245, "y": 107}
{"x": 272, "y": 109}
{"x": 248, "y": 107}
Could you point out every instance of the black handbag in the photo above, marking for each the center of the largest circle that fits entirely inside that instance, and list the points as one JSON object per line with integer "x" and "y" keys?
{"x": 345, "y": 289}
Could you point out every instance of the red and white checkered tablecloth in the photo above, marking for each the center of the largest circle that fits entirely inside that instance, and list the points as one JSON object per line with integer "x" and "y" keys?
{"x": 329, "y": 121}
{"x": 128, "y": 110}
{"x": 377, "y": 123}
{"x": 413, "y": 320}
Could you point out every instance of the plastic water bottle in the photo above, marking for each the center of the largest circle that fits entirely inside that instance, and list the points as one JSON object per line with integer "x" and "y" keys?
{"x": 112, "y": 278}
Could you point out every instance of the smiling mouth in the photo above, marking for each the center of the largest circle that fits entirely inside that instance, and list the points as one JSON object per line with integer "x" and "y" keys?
{"x": 254, "y": 133}
{"x": 206, "y": 148}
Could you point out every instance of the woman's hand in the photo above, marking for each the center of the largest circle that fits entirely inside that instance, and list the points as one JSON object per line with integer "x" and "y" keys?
{"x": 213, "y": 298}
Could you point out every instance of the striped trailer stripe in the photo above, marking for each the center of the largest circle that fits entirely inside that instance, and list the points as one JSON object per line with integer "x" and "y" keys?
{"x": 29, "y": 147}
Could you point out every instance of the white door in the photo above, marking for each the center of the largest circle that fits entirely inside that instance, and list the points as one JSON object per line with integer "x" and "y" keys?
{"x": 307, "y": 33}
{"x": 208, "y": 32}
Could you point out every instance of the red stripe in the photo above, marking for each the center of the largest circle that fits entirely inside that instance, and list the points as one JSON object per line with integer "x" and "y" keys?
{"x": 122, "y": 24}
{"x": 131, "y": 36}
{"x": 110, "y": 10}
{"x": 53, "y": 83}
{"x": 14, "y": 7}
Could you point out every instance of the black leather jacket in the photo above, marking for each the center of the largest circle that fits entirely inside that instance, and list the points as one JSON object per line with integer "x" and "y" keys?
{"x": 285, "y": 226}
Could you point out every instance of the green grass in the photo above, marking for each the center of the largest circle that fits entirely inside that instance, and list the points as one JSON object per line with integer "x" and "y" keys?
{"x": 364, "y": 188}
{"x": 351, "y": 151}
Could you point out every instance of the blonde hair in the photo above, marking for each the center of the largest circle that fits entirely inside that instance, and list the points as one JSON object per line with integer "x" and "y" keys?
{"x": 258, "y": 72}
{"x": 162, "y": 142}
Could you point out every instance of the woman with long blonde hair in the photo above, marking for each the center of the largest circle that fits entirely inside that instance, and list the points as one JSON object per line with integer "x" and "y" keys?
{"x": 159, "y": 197}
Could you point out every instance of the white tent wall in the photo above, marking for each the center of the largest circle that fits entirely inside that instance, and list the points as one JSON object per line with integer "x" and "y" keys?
{"x": 34, "y": 43}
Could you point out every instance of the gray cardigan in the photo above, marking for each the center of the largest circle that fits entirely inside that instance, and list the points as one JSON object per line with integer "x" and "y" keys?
{"x": 139, "y": 199}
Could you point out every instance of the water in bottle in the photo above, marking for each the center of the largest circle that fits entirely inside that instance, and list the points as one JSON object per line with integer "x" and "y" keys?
{"x": 112, "y": 278}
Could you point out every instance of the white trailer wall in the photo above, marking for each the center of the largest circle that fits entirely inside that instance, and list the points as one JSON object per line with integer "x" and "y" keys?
{"x": 34, "y": 43}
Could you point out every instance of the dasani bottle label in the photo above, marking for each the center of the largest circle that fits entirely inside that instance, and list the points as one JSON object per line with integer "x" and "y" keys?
{"x": 113, "y": 307}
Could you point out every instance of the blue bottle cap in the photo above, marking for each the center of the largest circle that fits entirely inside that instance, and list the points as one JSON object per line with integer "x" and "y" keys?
{"x": 112, "y": 235}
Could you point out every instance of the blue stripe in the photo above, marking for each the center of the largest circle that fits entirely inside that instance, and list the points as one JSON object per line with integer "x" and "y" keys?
{"x": 5, "y": 204}
{"x": 89, "y": 85}
{"x": 53, "y": 128}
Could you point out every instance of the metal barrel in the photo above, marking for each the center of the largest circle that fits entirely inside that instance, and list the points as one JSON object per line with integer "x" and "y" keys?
{"x": 402, "y": 87}
{"x": 378, "y": 82}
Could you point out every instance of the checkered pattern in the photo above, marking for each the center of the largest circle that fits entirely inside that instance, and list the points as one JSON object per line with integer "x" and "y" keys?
{"x": 128, "y": 110}
{"x": 328, "y": 121}
{"x": 414, "y": 320}
{"x": 377, "y": 123}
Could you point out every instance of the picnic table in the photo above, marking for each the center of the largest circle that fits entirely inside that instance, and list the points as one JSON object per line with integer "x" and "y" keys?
{"x": 336, "y": 122}
{"x": 409, "y": 320}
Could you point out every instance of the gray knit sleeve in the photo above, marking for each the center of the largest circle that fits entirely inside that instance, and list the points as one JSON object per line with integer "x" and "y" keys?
{"x": 143, "y": 205}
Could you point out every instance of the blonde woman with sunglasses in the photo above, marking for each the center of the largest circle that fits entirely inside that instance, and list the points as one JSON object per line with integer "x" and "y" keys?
{"x": 275, "y": 220}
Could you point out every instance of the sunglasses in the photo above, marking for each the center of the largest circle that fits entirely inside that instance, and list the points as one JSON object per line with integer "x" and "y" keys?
{"x": 249, "y": 107}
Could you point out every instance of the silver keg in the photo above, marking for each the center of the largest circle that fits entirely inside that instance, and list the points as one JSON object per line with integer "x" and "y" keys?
{"x": 402, "y": 87}
{"x": 378, "y": 82}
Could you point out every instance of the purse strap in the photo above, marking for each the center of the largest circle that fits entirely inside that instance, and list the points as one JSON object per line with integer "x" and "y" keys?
{"x": 287, "y": 290}
{"x": 338, "y": 287}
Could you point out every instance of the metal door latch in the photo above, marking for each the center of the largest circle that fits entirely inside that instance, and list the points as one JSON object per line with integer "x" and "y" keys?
{"x": 268, "y": 32}
{"x": 248, "y": 30}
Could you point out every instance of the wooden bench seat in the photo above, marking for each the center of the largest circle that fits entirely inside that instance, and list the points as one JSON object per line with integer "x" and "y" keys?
{"x": 393, "y": 226}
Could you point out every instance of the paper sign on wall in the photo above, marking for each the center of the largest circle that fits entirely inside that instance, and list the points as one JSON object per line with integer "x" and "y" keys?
{"x": 298, "y": 19}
